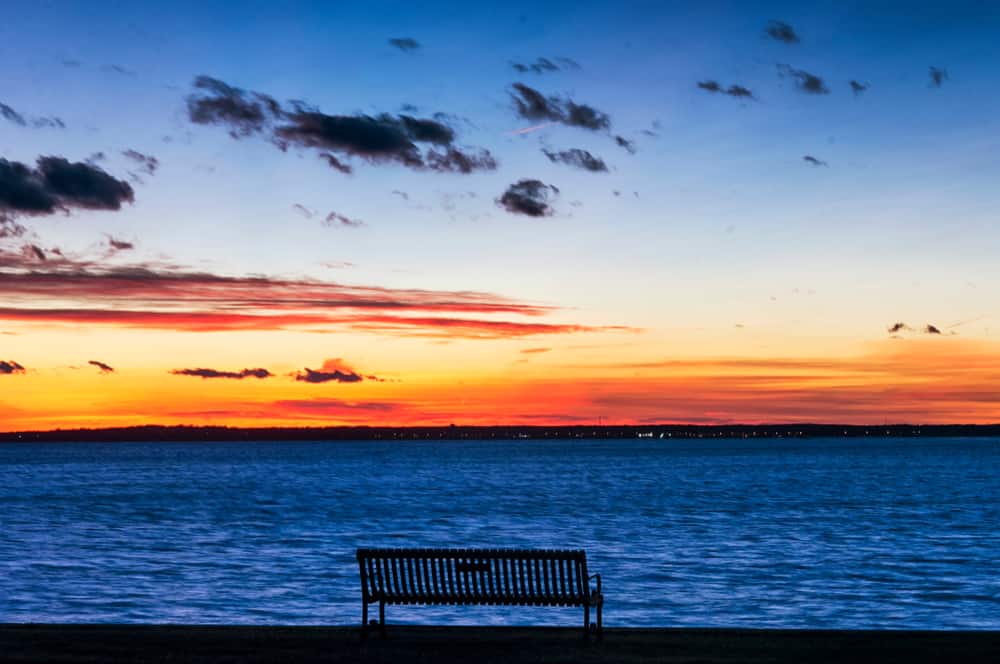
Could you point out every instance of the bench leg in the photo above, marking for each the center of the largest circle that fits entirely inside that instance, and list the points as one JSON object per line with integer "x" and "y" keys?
{"x": 381, "y": 618}
{"x": 586, "y": 621}
{"x": 364, "y": 619}
{"x": 600, "y": 622}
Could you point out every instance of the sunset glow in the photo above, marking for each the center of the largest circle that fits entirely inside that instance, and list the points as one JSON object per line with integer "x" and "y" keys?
{"x": 549, "y": 217}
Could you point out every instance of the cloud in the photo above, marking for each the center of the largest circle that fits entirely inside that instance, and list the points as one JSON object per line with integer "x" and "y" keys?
{"x": 33, "y": 251}
{"x": 334, "y": 370}
{"x": 734, "y": 90}
{"x": 8, "y": 113}
{"x": 931, "y": 329}
{"x": 858, "y": 87}
{"x": 529, "y": 197}
{"x": 532, "y": 351}
{"x": 104, "y": 368}
{"x": 781, "y": 31}
{"x": 938, "y": 76}
{"x": 213, "y": 373}
{"x": 68, "y": 291}
{"x": 147, "y": 163}
{"x": 578, "y": 158}
{"x": 217, "y": 103}
{"x": 337, "y": 220}
{"x": 118, "y": 69}
{"x": 116, "y": 245}
{"x": 544, "y": 65}
{"x": 898, "y": 327}
{"x": 804, "y": 81}
{"x": 623, "y": 142}
{"x": 406, "y": 44}
{"x": 335, "y": 163}
{"x": 809, "y": 159}
{"x": 328, "y": 407}
{"x": 533, "y": 105}
{"x": 56, "y": 184}
{"x": 8, "y": 367}
{"x": 416, "y": 143}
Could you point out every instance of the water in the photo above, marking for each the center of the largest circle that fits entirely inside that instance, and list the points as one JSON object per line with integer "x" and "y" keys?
{"x": 879, "y": 533}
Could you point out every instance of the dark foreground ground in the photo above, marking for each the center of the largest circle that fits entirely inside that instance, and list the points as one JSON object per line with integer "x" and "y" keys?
{"x": 161, "y": 643}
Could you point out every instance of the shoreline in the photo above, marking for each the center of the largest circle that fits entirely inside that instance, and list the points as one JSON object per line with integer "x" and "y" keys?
{"x": 185, "y": 433}
{"x": 80, "y": 643}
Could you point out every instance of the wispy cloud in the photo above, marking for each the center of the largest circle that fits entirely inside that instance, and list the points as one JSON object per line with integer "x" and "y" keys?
{"x": 104, "y": 368}
{"x": 214, "y": 373}
{"x": 781, "y": 31}
{"x": 405, "y": 44}
{"x": 578, "y": 158}
{"x": 804, "y": 81}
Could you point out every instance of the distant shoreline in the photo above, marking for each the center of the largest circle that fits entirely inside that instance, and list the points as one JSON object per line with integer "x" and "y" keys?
{"x": 155, "y": 433}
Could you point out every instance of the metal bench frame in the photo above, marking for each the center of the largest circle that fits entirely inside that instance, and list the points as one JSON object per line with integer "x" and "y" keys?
{"x": 497, "y": 577}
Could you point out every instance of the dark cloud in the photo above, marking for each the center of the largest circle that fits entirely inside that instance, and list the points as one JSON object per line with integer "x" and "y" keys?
{"x": 377, "y": 139}
{"x": 857, "y": 87}
{"x": 118, "y": 69}
{"x": 529, "y": 197}
{"x": 938, "y": 76}
{"x": 532, "y": 351}
{"x": 8, "y": 227}
{"x": 217, "y": 103}
{"x": 337, "y": 220}
{"x": 69, "y": 62}
{"x": 405, "y": 43}
{"x": 739, "y": 91}
{"x": 58, "y": 184}
{"x": 898, "y": 327}
{"x": 8, "y": 367}
{"x": 104, "y": 368}
{"x": 578, "y": 158}
{"x": 543, "y": 65}
{"x": 533, "y": 105}
{"x": 931, "y": 329}
{"x": 781, "y": 31}
{"x": 809, "y": 159}
{"x": 804, "y": 81}
{"x": 623, "y": 142}
{"x": 10, "y": 114}
{"x": 335, "y": 163}
{"x": 147, "y": 163}
{"x": 213, "y": 373}
{"x": 734, "y": 90}
{"x": 402, "y": 194}
{"x": 303, "y": 210}
{"x": 116, "y": 245}
{"x": 33, "y": 251}
{"x": 334, "y": 370}
{"x": 453, "y": 160}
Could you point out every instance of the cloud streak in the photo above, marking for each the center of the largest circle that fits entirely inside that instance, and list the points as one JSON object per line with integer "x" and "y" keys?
{"x": 533, "y": 105}
{"x": 232, "y": 375}
{"x": 63, "y": 291}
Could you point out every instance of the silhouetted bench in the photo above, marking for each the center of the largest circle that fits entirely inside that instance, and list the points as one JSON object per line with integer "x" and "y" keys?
{"x": 497, "y": 577}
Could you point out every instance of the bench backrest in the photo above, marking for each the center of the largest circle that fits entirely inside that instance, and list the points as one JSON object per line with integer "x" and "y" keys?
{"x": 474, "y": 576}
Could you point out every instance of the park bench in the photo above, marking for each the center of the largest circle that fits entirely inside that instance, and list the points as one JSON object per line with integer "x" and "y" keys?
{"x": 496, "y": 577}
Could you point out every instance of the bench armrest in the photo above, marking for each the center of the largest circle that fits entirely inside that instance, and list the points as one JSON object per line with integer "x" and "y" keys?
{"x": 596, "y": 591}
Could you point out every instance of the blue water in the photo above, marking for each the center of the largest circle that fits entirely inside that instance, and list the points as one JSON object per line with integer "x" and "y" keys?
{"x": 872, "y": 533}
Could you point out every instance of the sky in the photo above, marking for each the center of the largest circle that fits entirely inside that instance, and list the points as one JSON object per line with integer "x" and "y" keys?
{"x": 258, "y": 214}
